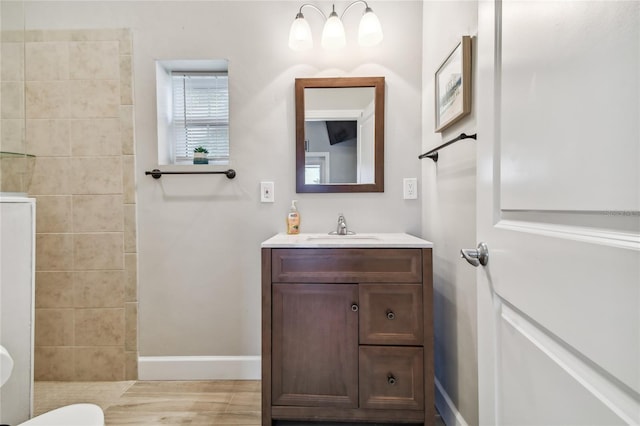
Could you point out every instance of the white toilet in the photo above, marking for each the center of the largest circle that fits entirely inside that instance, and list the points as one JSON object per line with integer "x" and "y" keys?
{"x": 71, "y": 415}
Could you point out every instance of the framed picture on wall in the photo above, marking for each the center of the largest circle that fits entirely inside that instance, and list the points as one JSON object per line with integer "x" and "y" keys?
{"x": 453, "y": 86}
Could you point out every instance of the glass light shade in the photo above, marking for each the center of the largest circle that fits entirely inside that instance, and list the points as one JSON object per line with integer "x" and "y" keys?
{"x": 370, "y": 30}
{"x": 300, "y": 34}
{"x": 333, "y": 33}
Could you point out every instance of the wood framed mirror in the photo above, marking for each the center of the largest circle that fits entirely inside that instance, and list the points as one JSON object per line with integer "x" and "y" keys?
{"x": 340, "y": 134}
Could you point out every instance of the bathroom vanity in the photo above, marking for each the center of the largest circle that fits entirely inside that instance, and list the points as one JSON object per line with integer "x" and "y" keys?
{"x": 347, "y": 330}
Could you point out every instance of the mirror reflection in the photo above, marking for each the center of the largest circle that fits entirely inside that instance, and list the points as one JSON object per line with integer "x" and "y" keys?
{"x": 340, "y": 134}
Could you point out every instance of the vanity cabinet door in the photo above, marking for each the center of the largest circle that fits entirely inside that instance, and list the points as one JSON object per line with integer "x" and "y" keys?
{"x": 315, "y": 345}
{"x": 391, "y": 314}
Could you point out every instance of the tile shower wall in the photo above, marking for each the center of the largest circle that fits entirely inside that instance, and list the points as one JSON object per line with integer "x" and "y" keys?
{"x": 79, "y": 124}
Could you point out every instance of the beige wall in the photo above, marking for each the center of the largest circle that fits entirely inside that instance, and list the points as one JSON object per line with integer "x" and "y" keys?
{"x": 199, "y": 236}
{"x": 78, "y": 122}
{"x": 449, "y": 209}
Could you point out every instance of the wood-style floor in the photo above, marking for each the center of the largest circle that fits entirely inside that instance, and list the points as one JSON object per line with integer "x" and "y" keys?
{"x": 159, "y": 402}
{"x": 233, "y": 402}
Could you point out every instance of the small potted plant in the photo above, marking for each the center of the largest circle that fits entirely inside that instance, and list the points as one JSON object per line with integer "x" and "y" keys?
{"x": 200, "y": 155}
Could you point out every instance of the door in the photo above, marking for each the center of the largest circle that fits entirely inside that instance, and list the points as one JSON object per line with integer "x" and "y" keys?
{"x": 558, "y": 202}
{"x": 315, "y": 345}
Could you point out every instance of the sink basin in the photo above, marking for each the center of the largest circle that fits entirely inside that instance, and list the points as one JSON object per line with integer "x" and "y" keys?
{"x": 335, "y": 238}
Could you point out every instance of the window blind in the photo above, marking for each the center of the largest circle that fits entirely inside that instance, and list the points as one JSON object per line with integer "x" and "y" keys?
{"x": 201, "y": 114}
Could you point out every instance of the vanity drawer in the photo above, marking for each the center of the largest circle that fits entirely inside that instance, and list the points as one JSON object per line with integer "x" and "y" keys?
{"x": 391, "y": 314}
{"x": 391, "y": 377}
{"x": 346, "y": 265}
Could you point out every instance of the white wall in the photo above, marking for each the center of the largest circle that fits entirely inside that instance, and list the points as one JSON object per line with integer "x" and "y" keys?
{"x": 448, "y": 219}
{"x": 199, "y": 236}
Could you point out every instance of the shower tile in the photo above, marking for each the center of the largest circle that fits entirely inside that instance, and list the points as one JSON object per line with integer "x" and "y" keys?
{"x": 131, "y": 366}
{"x": 12, "y": 61}
{"x": 94, "y": 98}
{"x": 94, "y": 35}
{"x": 54, "y": 363}
{"x": 47, "y": 99}
{"x": 50, "y": 176}
{"x": 51, "y": 35}
{"x": 12, "y": 103}
{"x": 126, "y": 129}
{"x": 131, "y": 277}
{"x": 33, "y": 36}
{"x": 10, "y": 178}
{"x": 130, "y": 228}
{"x": 46, "y": 61}
{"x": 97, "y": 213}
{"x": 54, "y": 252}
{"x": 12, "y": 138}
{"x": 54, "y": 290}
{"x": 98, "y": 251}
{"x": 126, "y": 80}
{"x": 98, "y": 289}
{"x": 54, "y": 214}
{"x": 95, "y": 137}
{"x": 99, "y": 327}
{"x": 54, "y": 327}
{"x": 95, "y": 60}
{"x": 131, "y": 326}
{"x": 128, "y": 179}
{"x": 12, "y": 36}
{"x": 48, "y": 137}
{"x": 126, "y": 42}
{"x": 96, "y": 175}
{"x": 99, "y": 363}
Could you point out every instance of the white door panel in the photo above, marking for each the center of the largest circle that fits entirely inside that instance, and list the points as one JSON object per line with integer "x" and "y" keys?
{"x": 570, "y": 76}
{"x": 559, "y": 208}
{"x": 585, "y": 297}
{"x": 547, "y": 388}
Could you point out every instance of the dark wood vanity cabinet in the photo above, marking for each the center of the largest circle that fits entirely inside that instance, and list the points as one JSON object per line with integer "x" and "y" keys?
{"x": 347, "y": 335}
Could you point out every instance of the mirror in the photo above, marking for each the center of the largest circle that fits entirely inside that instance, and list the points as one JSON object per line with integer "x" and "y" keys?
{"x": 340, "y": 134}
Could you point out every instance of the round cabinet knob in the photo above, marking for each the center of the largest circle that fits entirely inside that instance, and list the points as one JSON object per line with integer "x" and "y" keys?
{"x": 391, "y": 380}
{"x": 390, "y": 315}
{"x": 354, "y": 307}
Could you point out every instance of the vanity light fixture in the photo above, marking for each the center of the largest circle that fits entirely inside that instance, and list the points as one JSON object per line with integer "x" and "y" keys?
{"x": 369, "y": 30}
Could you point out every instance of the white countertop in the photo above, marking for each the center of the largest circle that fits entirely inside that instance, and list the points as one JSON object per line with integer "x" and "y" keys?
{"x": 365, "y": 240}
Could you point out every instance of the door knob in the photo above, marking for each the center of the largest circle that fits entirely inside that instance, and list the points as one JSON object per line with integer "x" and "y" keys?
{"x": 479, "y": 256}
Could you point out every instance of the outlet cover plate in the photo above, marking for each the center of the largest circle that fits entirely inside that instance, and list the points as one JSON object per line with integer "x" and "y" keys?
{"x": 410, "y": 188}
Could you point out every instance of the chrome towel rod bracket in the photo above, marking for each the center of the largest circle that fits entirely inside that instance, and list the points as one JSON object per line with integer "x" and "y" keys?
{"x": 433, "y": 154}
{"x": 157, "y": 174}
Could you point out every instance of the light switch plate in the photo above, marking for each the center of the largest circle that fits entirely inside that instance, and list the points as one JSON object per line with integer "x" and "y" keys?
{"x": 410, "y": 188}
{"x": 266, "y": 192}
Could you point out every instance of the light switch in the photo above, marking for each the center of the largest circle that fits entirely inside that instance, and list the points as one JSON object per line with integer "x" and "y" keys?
{"x": 266, "y": 192}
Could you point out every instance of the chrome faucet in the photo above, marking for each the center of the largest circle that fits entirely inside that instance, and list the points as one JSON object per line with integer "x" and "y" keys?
{"x": 342, "y": 225}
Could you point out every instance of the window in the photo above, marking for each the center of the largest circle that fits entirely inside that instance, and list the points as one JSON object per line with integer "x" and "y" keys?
{"x": 193, "y": 110}
{"x": 200, "y": 114}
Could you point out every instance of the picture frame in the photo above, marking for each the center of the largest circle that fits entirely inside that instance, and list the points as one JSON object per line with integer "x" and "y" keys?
{"x": 453, "y": 86}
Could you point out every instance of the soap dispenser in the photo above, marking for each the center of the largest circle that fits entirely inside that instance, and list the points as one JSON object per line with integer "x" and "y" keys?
{"x": 293, "y": 219}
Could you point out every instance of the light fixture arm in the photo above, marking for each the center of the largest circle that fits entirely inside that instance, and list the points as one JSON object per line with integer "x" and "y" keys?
{"x": 353, "y": 4}
{"x": 313, "y": 7}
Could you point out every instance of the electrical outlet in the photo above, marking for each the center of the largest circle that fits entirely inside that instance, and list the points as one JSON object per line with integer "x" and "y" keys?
{"x": 266, "y": 192}
{"x": 410, "y": 188}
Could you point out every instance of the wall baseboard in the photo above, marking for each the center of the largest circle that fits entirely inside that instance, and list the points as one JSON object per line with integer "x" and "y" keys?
{"x": 199, "y": 368}
{"x": 447, "y": 409}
